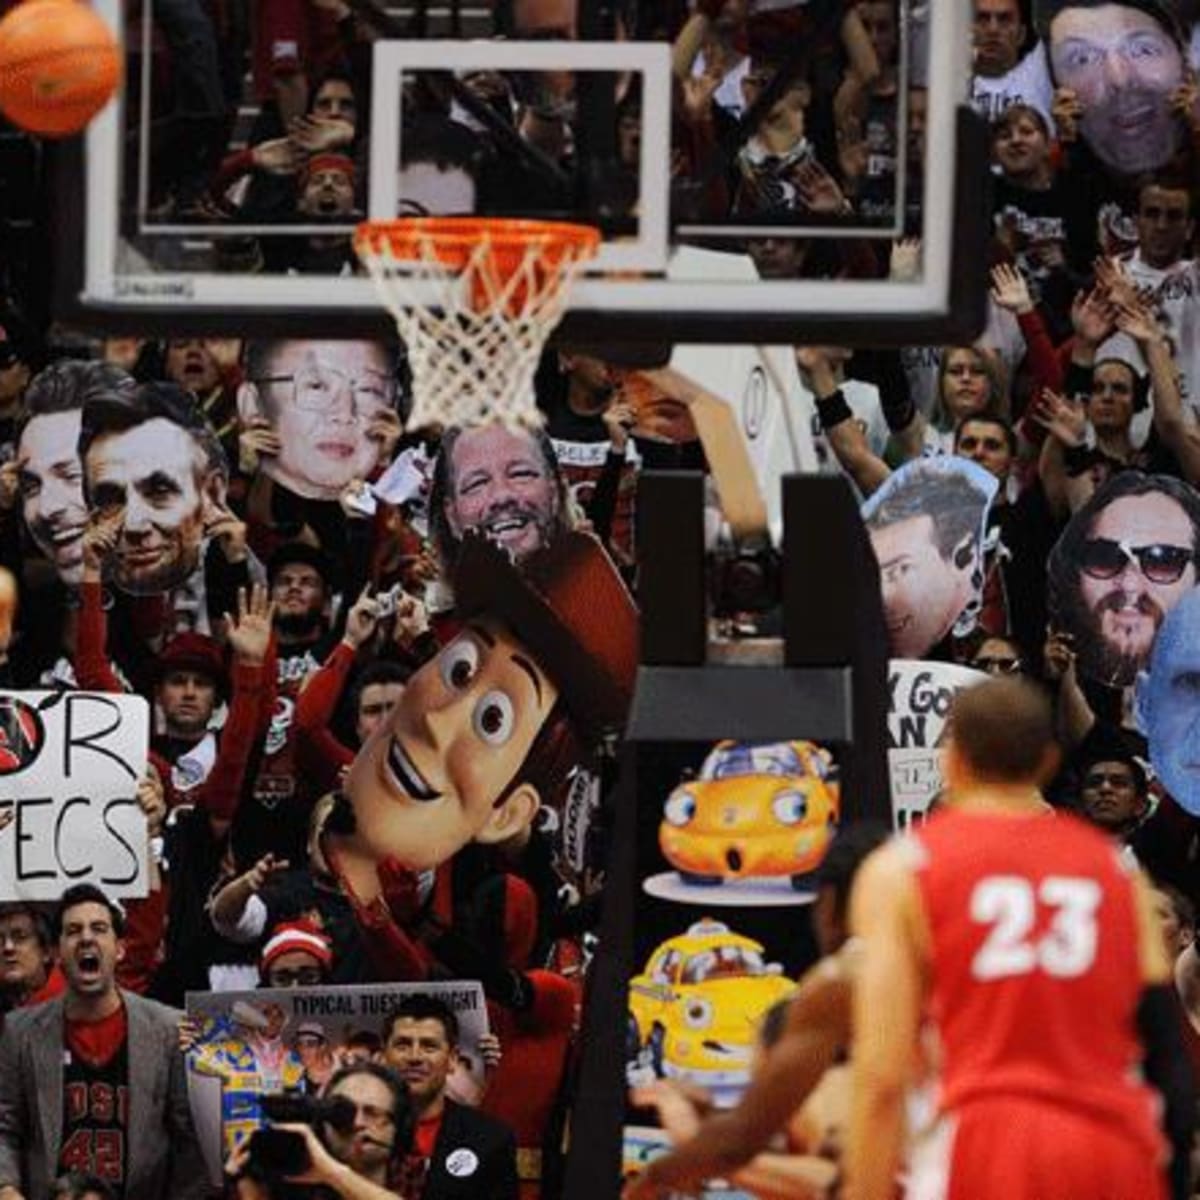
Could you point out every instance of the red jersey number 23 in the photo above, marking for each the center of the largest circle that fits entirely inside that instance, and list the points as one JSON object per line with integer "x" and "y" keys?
{"x": 1061, "y": 908}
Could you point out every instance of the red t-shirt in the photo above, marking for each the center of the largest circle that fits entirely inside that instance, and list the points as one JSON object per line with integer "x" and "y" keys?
{"x": 1035, "y": 974}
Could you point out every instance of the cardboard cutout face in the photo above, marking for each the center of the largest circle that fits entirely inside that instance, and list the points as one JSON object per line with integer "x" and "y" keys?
{"x": 1123, "y": 66}
{"x": 322, "y": 399}
{"x": 1122, "y": 563}
{"x": 1168, "y": 703}
{"x": 51, "y": 483}
{"x": 428, "y": 780}
{"x": 156, "y": 478}
{"x": 927, "y": 526}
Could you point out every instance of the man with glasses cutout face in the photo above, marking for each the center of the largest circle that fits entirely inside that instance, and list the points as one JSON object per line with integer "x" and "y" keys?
{"x": 319, "y": 414}
{"x": 1124, "y": 561}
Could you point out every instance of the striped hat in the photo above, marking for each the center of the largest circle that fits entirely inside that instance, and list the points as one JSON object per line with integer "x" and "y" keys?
{"x": 297, "y": 935}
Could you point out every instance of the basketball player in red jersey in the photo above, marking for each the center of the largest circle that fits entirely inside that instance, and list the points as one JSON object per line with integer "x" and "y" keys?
{"x": 1037, "y": 958}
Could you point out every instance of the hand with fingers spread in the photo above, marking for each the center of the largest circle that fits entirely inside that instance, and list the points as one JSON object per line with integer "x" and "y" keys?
{"x": 1116, "y": 282}
{"x": 257, "y": 437}
{"x": 362, "y": 620}
{"x": 818, "y": 189}
{"x": 1062, "y": 417}
{"x": 1010, "y": 289}
{"x": 318, "y": 135}
{"x": 279, "y": 156}
{"x": 1092, "y": 316}
{"x": 1137, "y": 320}
{"x": 250, "y": 633}
{"x": 229, "y": 532}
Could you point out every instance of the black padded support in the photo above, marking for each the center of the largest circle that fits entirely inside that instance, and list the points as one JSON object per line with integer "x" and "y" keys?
{"x": 671, "y": 580}
{"x": 833, "y": 615}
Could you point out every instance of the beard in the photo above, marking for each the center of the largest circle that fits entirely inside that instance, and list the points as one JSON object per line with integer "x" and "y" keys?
{"x": 298, "y": 625}
{"x": 1115, "y": 663}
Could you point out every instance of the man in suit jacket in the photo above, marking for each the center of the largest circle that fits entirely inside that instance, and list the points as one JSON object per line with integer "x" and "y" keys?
{"x": 458, "y": 1152}
{"x": 93, "y": 1080}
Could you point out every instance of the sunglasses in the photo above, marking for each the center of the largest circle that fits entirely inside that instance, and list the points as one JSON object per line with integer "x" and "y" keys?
{"x": 997, "y": 666}
{"x": 1103, "y": 558}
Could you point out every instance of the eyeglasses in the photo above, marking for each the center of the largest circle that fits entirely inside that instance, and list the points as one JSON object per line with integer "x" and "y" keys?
{"x": 315, "y": 387}
{"x": 1095, "y": 779}
{"x": 18, "y": 937}
{"x": 301, "y": 977}
{"x": 1103, "y": 558}
{"x": 997, "y": 666}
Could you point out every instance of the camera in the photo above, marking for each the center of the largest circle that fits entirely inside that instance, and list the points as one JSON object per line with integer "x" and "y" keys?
{"x": 284, "y": 1152}
{"x": 388, "y": 600}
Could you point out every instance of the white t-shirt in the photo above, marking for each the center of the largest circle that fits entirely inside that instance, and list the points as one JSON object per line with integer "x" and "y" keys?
{"x": 1027, "y": 83}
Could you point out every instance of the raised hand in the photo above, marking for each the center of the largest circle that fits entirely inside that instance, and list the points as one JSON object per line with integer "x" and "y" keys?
{"x": 1138, "y": 322}
{"x": 229, "y": 531}
{"x": 100, "y": 542}
{"x": 1061, "y": 417}
{"x": 1010, "y": 289}
{"x": 1067, "y": 112}
{"x": 276, "y": 157}
{"x": 10, "y": 485}
{"x": 152, "y": 801}
{"x": 257, "y": 437}
{"x": 1092, "y": 316}
{"x": 256, "y": 878}
{"x": 619, "y": 419}
{"x": 818, "y": 189}
{"x": 362, "y": 620}
{"x": 1112, "y": 277}
{"x": 250, "y": 633}
{"x": 1058, "y": 655}
{"x": 905, "y": 263}
{"x": 1185, "y": 102}
{"x": 385, "y": 430}
{"x": 412, "y": 620}
{"x": 314, "y": 135}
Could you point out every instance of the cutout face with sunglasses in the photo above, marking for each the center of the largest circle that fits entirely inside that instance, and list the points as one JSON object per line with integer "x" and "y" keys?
{"x": 1135, "y": 562}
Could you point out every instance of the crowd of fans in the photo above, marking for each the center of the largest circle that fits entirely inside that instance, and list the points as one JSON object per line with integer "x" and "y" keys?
{"x": 245, "y": 534}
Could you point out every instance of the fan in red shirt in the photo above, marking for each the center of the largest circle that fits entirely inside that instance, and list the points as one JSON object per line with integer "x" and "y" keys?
{"x": 1037, "y": 957}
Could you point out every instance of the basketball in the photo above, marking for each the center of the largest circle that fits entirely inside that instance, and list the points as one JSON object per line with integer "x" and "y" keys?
{"x": 59, "y": 65}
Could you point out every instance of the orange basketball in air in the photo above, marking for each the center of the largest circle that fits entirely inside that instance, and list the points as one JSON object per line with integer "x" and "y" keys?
{"x": 59, "y": 65}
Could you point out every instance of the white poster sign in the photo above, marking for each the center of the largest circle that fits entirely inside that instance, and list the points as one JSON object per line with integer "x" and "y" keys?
{"x": 920, "y": 694}
{"x": 70, "y": 763}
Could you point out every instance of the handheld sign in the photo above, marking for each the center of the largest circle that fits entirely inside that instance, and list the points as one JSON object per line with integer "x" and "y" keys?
{"x": 70, "y": 763}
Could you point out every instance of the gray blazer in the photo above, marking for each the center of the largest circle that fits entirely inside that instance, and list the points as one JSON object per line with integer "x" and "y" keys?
{"x": 162, "y": 1156}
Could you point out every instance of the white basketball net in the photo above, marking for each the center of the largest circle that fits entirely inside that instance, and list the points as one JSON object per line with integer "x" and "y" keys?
{"x": 473, "y": 345}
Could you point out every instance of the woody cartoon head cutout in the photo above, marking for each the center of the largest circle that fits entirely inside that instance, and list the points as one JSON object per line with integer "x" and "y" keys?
{"x": 491, "y": 728}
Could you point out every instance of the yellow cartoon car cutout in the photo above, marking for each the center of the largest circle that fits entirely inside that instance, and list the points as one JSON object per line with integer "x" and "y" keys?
{"x": 697, "y": 1004}
{"x": 756, "y": 811}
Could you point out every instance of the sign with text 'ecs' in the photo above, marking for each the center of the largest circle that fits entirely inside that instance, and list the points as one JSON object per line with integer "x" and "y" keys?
{"x": 69, "y": 769}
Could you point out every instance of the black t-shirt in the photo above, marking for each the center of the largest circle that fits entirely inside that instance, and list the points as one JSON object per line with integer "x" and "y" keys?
{"x": 96, "y": 1117}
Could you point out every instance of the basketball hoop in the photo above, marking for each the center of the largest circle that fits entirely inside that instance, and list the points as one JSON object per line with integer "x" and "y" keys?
{"x": 497, "y": 288}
